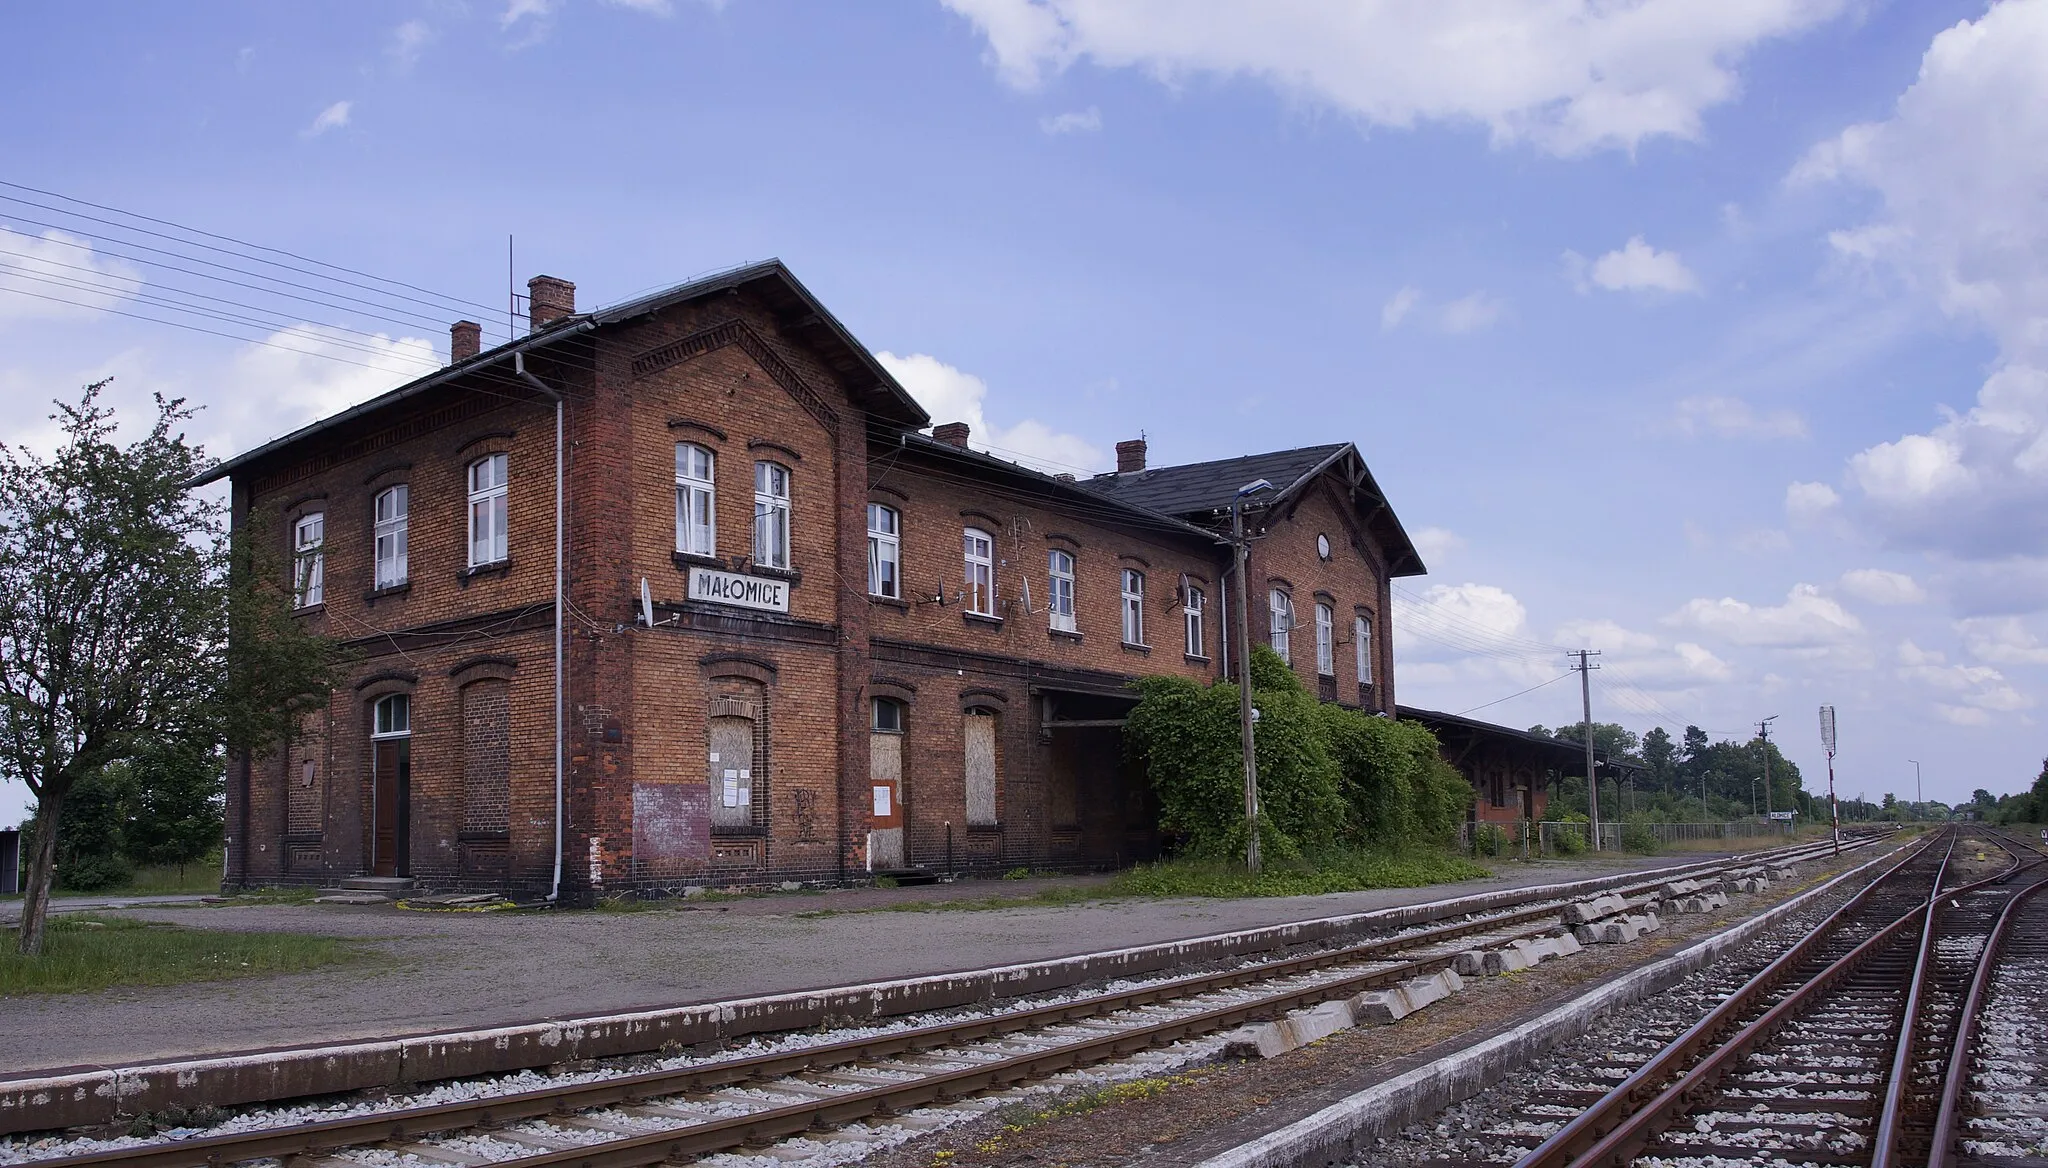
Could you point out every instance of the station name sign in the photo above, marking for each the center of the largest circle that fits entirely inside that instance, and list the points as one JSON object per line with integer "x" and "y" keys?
{"x": 756, "y": 592}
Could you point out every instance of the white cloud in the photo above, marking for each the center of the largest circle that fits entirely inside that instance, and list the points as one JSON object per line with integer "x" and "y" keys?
{"x": 334, "y": 117}
{"x": 1701, "y": 661}
{"x": 1731, "y": 417}
{"x": 2006, "y": 640}
{"x": 1807, "y": 619}
{"x": 1397, "y": 307}
{"x": 1636, "y": 267}
{"x": 1977, "y": 687}
{"x": 1571, "y": 76}
{"x": 1479, "y": 611}
{"x": 1085, "y": 121}
{"x": 1809, "y": 502}
{"x": 1470, "y": 314}
{"x": 407, "y": 41}
{"x": 314, "y": 371}
{"x": 1436, "y": 544}
{"x": 1877, "y": 586}
{"x": 951, "y": 395}
{"x": 55, "y": 276}
{"x": 1962, "y": 715}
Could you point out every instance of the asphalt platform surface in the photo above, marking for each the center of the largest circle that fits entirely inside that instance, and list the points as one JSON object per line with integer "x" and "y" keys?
{"x": 445, "y": 970}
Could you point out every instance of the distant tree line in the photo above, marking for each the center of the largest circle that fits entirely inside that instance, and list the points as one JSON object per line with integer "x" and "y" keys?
{"x": 1692, "y": 779}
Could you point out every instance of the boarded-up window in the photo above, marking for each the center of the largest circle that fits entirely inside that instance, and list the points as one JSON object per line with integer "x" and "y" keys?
{"x": 981, "y": 768}
{"x": 306, "y": 777}
{"x": 732, "y": 765}
{"x": 487, "y": 757}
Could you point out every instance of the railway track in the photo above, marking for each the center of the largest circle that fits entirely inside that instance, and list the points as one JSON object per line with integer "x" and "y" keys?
{"x": 1844, "y": 1050}
{"x": 722, "y": 1104}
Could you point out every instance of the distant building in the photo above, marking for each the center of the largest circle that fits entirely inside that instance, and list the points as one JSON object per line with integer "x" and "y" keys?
{"x": 871, "y": 648}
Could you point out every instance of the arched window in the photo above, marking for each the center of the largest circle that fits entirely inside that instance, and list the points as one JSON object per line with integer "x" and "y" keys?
{"x": 392, "y": 717}
{"x": 885, "y": 552}
{"x": 1191, "y": 611}
{"x": 1361, "y": 646}
{"x": 1280, "y": 619}
{"x": 1059, "y": 589}
{"x": 309, "y": 559}
{"x": 888, "y": 716}
{"x": 390, "y": 535}
{"x": 980, "y": 555}
{"x": 696, "y": 501}
{"x": 487, "y": 538}
{"x": 1134, "y": 607}
{"x": 771, "y": 515}
{"x": 1326, "y": 640}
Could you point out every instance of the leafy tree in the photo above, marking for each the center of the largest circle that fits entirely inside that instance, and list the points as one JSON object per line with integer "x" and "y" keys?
{"x": 1695, "y": 743}
{"x": 174, "y": 809}
{"x": 118, "y": 597}
{"x": 1661, "y": 757}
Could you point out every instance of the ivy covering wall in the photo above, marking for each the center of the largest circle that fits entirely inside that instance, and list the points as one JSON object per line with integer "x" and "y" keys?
{"x": 1330, "y": 778}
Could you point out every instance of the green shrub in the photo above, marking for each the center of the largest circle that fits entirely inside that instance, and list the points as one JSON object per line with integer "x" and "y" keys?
{"x": 1570, "y": 839}
{"x": 1490, "y": 840}
{"x": 1637, "y": 836}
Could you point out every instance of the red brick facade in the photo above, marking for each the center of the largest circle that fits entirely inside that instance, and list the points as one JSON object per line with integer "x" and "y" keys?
{"x": 727, "y": 744}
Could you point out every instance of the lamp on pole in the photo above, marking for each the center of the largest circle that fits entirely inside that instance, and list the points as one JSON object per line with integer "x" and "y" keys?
{"x": 1240, "y": 554}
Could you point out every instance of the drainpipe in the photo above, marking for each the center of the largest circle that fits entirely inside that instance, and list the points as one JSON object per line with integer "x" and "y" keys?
{"x": 519, "y": 368}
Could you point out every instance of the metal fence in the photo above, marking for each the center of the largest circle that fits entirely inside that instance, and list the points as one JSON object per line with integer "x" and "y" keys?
{"x": 1548, "y": 839}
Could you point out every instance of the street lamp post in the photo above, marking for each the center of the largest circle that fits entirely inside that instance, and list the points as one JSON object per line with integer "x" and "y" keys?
{"x": 1240, "y": 555}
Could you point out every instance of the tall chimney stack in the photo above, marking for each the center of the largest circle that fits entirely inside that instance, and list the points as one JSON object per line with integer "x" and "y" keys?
{"x": 548, "y": 300}
{"x": 465, "y": 340}
{"x": 1130, "y": 456}
{"x": 952, "y": 434}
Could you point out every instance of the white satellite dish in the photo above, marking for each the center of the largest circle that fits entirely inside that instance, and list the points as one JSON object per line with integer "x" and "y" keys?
{"x": 646, "y": 604}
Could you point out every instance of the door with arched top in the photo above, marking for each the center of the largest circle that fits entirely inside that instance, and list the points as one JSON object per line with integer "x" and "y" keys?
{"x": 885, "y": 779}
{"x": 390, "y": 785}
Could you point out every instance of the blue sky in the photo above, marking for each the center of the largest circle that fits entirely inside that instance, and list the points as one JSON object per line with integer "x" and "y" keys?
{"x": 1712, "y": 336}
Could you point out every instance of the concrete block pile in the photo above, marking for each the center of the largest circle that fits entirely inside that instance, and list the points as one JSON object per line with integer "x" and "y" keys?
{"x": 1302, "y": 1027}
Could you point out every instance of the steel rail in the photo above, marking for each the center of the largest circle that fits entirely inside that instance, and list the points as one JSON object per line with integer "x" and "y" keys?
{"x": 327, "y": 1135}
{"x": 1949, "y": 1117}
{"x": 1884, "y": 1145}
{"x": 1593, "y": 1126}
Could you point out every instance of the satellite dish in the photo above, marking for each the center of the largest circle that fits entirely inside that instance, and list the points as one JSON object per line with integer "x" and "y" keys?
{"x": 646, "y": 604}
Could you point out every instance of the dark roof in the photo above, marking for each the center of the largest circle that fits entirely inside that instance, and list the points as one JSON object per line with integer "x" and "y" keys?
{"x": 1568, "y": 756}
{"x": 1202, "y": 490}
{"x": 770, "y": 279}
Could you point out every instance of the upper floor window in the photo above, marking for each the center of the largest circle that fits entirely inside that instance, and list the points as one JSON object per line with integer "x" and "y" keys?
{"x": 487, "y": 539}
{"x": 309, "y": 559}
{"x": 696, "y": 501}
{"x": 1326, "y": 639}
{"x": 771, "y": 515}
{"x": 390, "y": 534}
{"x": 1361, "y": 646}
{"x": 1059, "y": 589}
{"x": 884, "y": 552}
{"x": 888, "y": 717}
{"x": 1280, "y": 619}
{"x": 979, "y": 552}
{"x": 392, "y": 717}
{"x": 1191, "y": 613}
{"x": 1134, "y": 607}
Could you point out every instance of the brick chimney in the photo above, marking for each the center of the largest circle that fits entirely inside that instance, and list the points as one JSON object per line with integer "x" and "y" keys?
{"x": 548, "y": 300}
{"x": 1130, "y": 456}
{"x": 465, "y": 340}
{"x": 952, "y": 434}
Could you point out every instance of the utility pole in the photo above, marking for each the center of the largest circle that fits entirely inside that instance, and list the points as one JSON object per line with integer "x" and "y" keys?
{"x": 1827, "y": 739}
{"x": 1240, "y": 556}
{"x": 1585, "y": 669}
{"x": 1763, "y": 731}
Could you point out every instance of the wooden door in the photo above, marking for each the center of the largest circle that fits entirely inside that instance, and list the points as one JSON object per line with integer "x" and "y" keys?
{"x": 390, "y": 780}
{"x": 885, "y": 813}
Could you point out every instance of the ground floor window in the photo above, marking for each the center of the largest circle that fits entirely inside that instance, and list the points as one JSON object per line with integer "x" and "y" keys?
{"x": 980, "y": 726}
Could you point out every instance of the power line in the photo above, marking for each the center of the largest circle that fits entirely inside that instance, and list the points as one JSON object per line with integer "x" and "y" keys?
{"x": 1516, "y": 694}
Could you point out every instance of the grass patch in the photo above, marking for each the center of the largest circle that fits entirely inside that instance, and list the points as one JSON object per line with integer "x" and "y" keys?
{"x": 82, "y": 951}
{"x": 1336, "y": 872}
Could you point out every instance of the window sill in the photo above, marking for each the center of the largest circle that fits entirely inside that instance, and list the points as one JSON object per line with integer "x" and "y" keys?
{"x": 738, "y": 832}
{"x": 494, "y": 568}
{"x": 687, "y": 560}
{"x": 498, "y": 835}
{"x": 1133, "y": 647}
{"x": 982, "y": 618}
{"x": 376, "y": 594}
{"x": 1194, "y": 658}
{"x": 793, "y": 575}
{"x": 889, "y": 602}
{"x": 309, "y": 609}
{"x": 1073, "y": 635}
{"x": 985, "y": 828}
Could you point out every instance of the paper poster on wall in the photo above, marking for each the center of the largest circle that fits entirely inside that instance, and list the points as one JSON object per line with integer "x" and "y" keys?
{"x": 881, "y": 802}
{"x": 714, "y": 756}
{"x": 732, "y": 789}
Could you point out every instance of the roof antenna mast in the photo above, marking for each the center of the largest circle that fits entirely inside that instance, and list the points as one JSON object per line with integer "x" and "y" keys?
{"x": 511, "y": 294}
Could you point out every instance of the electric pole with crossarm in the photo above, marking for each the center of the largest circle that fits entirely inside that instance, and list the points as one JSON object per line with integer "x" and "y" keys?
{"x": 1586, "y": 669}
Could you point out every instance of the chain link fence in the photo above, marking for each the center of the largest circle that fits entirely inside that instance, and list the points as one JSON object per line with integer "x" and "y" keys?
{"x": 1522, "y": 839}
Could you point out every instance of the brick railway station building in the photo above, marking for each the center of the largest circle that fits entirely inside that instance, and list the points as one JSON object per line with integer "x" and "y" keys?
{"x": 871, "y": 648}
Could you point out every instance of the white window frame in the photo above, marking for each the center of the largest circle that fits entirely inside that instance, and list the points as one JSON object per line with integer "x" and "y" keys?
{"x": 885, "y": 550}
{"x": 1280, "y": 617}
{"x": 1134, "y": 606}
{"x": 397, "y": 727}
{"x": 489, "y": 543}
{"x": 1361, "y": 646}
{"x": 392, "y": 514}
{"x": 696, "y": 534}
{"x": 978, "y": 556}
{"x": 1326, "y": 640}
{"x": 771, "y": 515}
{"x": 1059, "y": 589}
{"x": 309, "y": 559}
{"x": 1192, "y": 609}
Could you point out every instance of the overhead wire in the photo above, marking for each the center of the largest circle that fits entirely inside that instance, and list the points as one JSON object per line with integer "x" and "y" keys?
{"x": 1516, "y": 694}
